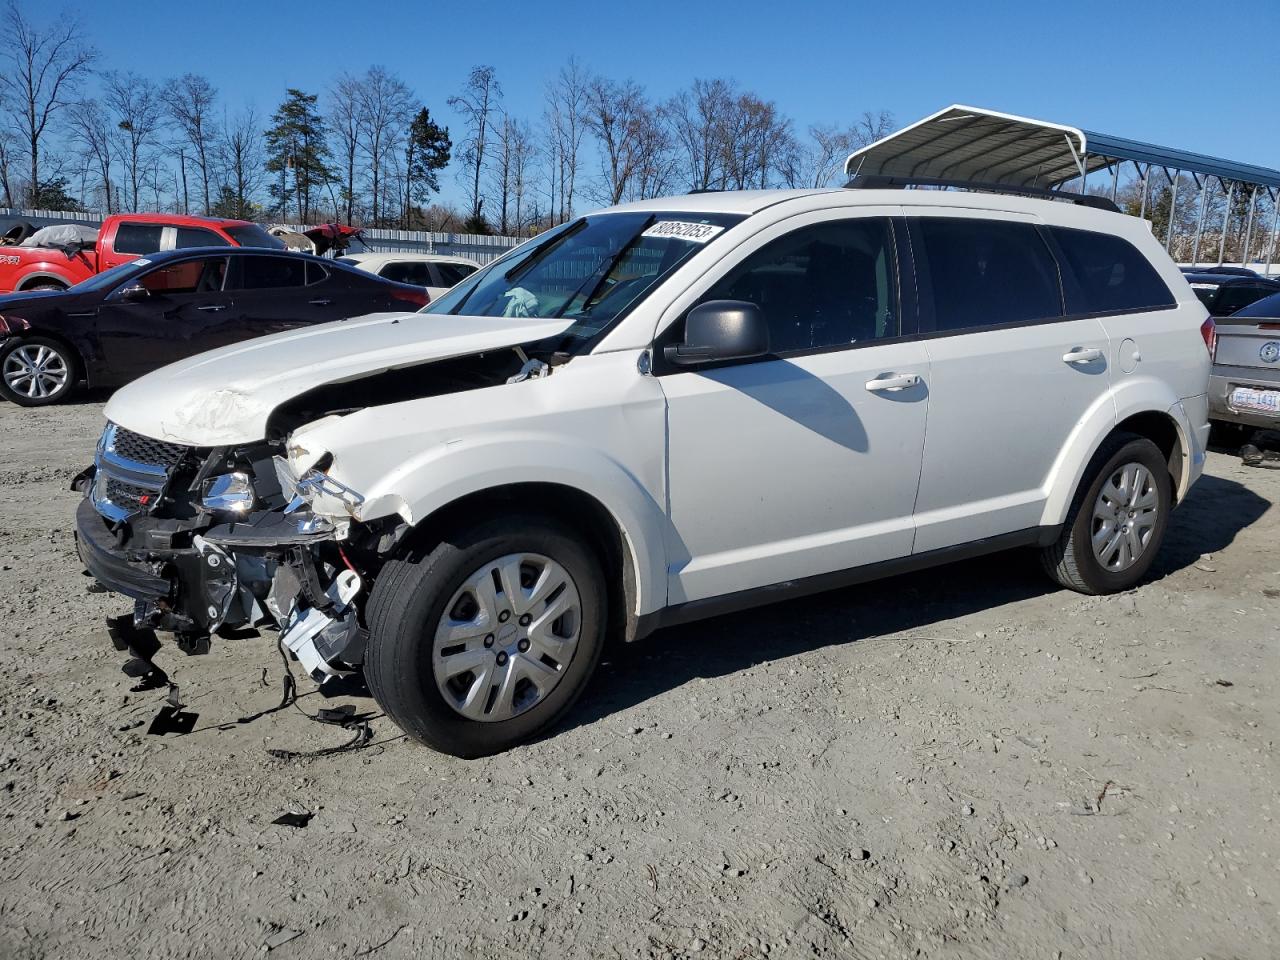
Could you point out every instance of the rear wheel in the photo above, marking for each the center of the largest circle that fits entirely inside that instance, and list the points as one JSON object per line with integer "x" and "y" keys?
{"x": 37, "y": 371}
{"x": 1117, "y": 521}
{"x": 490, "y": 638}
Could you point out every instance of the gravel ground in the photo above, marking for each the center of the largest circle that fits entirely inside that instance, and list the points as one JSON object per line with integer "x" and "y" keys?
{"x": 961, "y": 763}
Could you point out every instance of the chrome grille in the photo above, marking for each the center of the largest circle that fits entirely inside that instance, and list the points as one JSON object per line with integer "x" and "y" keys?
{"x": 132, "y": 472}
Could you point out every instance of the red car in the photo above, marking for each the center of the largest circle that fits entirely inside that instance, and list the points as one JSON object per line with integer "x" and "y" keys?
{"x": 122, "y": 237}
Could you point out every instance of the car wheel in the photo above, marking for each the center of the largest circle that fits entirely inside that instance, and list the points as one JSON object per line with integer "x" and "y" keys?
{"x": 489, "y": 639}
{"x": 36, "y": 288}
{"x": 37, "y": 371}
{"x": 1117, "y": 521}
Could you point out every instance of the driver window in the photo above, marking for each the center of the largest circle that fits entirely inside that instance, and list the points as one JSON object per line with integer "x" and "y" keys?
{"x": 826, "y": 285}
{"x": 189, "y": 276}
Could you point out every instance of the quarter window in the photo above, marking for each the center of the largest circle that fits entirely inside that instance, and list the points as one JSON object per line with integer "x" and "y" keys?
{"x": 451, "y": 273}
{"x": 827, "y": 285}
{"x": 1111, "y": 274}
{"x": 140, "y": 238}
{"x": 986, "y": 273}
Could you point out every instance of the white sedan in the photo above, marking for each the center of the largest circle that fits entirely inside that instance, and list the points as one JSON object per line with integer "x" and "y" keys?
{"x": 436, "y": 273}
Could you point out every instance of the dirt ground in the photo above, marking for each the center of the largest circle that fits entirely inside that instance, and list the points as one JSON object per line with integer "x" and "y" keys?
{"x": 961, "y": 763}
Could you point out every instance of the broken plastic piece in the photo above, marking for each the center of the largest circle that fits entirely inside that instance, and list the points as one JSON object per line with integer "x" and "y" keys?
{"x": 305, "y": 628}
{"x": 172, "y": 718}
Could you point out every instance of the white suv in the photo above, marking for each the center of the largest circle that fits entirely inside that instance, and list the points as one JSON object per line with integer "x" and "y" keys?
{"x": 655, "y": 413}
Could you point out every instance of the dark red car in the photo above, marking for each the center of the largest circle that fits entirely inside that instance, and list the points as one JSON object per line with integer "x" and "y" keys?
{"x": 152, "y": 311}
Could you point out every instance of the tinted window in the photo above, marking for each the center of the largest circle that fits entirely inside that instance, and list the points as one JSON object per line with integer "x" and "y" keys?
{"x": 1268, "y": 307}
{"x": 198, "y": 237}
{"x": 451, "y": 273}
{"x": 315, "y": 272}
{"x": 271, "y": 273}
{"x": 987, "y": 272}
{"x": 408, "y": 271}
{"x": 1233, "y": 296}
{"x": 252, "y": 235}
{"x": 826, "y": 285}
{"x": 189, "y": 276}
{"x": 138, "y": 237}
{"x": 1111, "y": 274}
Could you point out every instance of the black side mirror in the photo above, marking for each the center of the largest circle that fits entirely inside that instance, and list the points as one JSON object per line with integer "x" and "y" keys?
{"x": 134, "y": 293}
{"x": 721, "y": 330}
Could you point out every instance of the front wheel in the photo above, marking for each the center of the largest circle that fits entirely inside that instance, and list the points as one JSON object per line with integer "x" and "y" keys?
{"x": 36, "y": 371}
{"x": 490, "y": 638}
{"x": 1117, "y": 520}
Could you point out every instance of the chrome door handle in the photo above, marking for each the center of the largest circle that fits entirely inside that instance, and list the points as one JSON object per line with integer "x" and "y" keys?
{"x": 320, "y": 303}
{"x": 212, "y": 307}
{"x": 900, "y": 381}
{"x": 1082, "y": 355}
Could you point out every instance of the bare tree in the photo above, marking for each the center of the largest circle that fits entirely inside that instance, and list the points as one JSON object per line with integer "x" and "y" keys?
{"x": 697, "y": 118}
{"x": 566, "y": 120}
{"x": 242, "y": 161}
{"x": 189, "y": 100}
{"x": 385, "y": 112}
{"x": 503, "y": 170}
{"x": 613, "y": 114}
{"x": 92, "y": 132}
{"x": 136, "y": 109}
{"x": 41, "y": 68}
{"x": 523, "y": 154}
{"x": 344, "y": 120}
{"x": 7, "y": 155}
{"x": 478, "y": 99}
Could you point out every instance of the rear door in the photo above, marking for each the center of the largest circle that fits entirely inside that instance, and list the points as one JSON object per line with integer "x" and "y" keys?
{"x": 277, "y": 292}
{"x": 1011, "y": 374}
{"x": 132, "y": 239}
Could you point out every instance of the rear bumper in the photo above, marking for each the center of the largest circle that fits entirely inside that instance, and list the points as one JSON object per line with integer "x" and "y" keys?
{"x": 110, "y": 565}
{"x": 1223, "y": 381}
{"x": 1192, "y": 414}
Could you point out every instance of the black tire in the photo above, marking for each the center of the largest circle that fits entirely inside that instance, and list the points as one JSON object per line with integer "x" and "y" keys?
{"x": 36, "y": 288}
{"x": 65, "y": 355}
{"x": 1071, "y": 560}
{"x": 408, "y": 602}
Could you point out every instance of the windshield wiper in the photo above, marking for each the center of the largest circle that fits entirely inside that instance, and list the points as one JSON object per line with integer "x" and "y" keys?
{"x": 535, "y": 256}
{"x": 608, "y": 266}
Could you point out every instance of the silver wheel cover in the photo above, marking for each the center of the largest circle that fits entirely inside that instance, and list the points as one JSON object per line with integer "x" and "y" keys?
{"x": 507, "y": 637}
{"x": 36, "y": 371}
{"x": 1124, "y": 517}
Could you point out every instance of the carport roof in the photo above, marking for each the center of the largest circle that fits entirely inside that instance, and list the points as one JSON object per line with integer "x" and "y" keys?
{"x": 972, "y": 143}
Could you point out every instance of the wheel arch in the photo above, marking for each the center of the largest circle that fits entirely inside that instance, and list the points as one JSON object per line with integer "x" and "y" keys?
{"x": 36, "y": 279}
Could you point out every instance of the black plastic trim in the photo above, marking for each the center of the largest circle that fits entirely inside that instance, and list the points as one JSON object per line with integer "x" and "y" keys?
{"x": 774, "y": 593}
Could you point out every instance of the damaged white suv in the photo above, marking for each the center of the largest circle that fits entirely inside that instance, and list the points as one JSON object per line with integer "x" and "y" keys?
{"x": 654, "y": 413}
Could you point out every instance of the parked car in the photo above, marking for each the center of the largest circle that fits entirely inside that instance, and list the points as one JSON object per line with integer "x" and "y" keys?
{"x": 121, "y": 238}
{"x": 1222, "y": 269}
{"x": 1224, "y": 293}
{"x": 1244, "y": 388}
{"x": 142, "y": 315}
{"x": 436, "y": 273}
{"x": 651, "y": 414}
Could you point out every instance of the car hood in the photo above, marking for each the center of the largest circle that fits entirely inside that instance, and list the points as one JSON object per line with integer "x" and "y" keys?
{"x": 226, "y": 395}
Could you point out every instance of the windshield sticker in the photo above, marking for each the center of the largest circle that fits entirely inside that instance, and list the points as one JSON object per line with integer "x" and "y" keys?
{"x": 140, "y": 262}
{"x": 680, "y": 230}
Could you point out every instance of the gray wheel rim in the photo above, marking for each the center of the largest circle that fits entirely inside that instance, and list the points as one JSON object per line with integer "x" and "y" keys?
{"x": 507, "y": 637}
{"x": 1124, "y": 517}
{"x": 36, "y": 371}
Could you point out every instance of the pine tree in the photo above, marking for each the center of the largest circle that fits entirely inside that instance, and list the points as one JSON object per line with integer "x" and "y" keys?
{"x": 297, "y": 153}
{"x": 427, "y": 152}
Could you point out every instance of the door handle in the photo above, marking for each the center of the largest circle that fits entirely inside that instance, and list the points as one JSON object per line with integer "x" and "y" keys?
{"x": 212, "y": 307}
{"x": 1082, "y": 355}
{"x": 320, "y": 303}
{"x": 899, "y": 381}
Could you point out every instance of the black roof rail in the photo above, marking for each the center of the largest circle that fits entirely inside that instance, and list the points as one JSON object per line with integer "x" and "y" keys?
{"x": 881, "y": 182}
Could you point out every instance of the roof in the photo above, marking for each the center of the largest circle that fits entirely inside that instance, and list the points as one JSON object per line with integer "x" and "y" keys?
{"x": 717, "y": 201}
{"x": 973, "y": 143}
{"x": 183, "y": 220}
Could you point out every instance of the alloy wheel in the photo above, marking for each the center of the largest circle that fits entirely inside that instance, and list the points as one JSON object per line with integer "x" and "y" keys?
{"x": 36, "y": 371}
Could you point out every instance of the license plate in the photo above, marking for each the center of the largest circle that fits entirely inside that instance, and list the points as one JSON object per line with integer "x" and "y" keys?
{"x": 1247, "y": 398}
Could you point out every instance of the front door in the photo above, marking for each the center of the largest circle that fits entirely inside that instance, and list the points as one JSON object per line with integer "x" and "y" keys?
{"x": 184, "y": 311}
{"x": 1012, "y": 376}
{"x": 804, "y": 462}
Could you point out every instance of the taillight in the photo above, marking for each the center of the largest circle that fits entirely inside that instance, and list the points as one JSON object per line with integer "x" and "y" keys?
{"x": 419, "y": 298}
{"x": 1209, "y": 330}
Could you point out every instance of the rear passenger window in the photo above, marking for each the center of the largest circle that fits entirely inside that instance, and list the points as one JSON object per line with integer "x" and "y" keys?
{"x": 1112, "y": 275}
{"x": 198, "y": 237}
{"x": 138, "y": 238}
{"x": 828, "y": 285}
{"x": 408, "y": 271}
{"x": 270, "y": 273}
{"x": 988, "y": 272}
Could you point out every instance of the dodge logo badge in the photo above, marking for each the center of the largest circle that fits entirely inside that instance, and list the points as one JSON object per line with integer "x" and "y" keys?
{"x": 1270, "y": 352}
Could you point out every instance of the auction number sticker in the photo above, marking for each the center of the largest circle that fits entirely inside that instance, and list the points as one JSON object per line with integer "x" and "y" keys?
{"x": 683, "y": 230}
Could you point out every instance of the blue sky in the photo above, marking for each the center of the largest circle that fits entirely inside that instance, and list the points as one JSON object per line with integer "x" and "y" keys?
{"x": 1172, "y": 73}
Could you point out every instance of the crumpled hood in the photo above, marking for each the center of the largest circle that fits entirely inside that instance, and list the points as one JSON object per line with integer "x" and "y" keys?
{"x": 226, "y": 395}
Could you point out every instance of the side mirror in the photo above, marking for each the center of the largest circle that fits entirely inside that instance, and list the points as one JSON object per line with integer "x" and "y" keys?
{"x": 135, "y": 293}
{"x": 721, "y": 330}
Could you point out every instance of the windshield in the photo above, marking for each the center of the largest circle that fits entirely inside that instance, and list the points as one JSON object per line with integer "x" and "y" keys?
{"x": 591, "y": 270}
{"x": 252, "y": 235}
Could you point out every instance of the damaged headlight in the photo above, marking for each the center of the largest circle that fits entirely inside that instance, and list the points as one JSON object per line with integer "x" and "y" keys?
{"x": 314, "y": 483}
{"x": 229, "y": 493}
